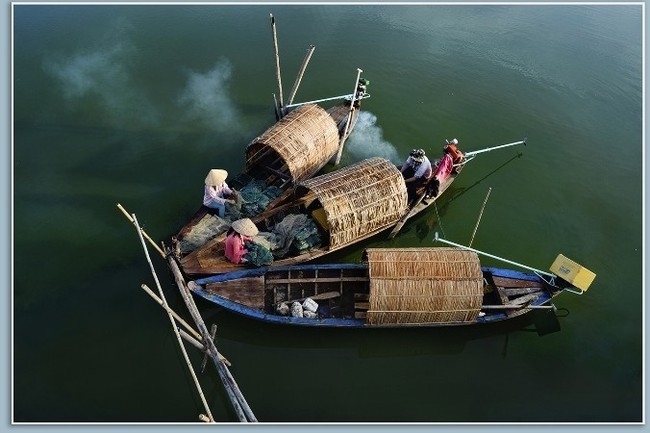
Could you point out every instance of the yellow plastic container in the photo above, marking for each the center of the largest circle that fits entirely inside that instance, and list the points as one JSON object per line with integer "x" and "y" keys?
{"x": 572, "y": 272}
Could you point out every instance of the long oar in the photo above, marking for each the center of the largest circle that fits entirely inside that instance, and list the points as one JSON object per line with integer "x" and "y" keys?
{"x": 468, "y": 156}
{"x": 406, "y": 216}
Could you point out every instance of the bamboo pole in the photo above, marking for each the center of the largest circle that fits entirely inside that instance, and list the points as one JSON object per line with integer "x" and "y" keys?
{"x": 239, "y": 404}
{"x": 292, "y": 95}
{"x": 171, "y": 319}
{"x": 151, "y": 241}
{"x": 453, "y": 244}
{"x": 170, "y": 311}
{"x": 277, "y": 62}
{"x": 213, "y": 334}
{"x": 276, "y": 108}
{"x": 349, "y": 119}
{"x": 487, "y": 196}
{"x": 490, "y": 149}
{"x": 316, "y": 101}
{"x": 196, "y": 336}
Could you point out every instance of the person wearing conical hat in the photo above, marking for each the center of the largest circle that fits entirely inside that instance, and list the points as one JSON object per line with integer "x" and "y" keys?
{"x": 240, "y": 231}
{"x": 217, "y": 193}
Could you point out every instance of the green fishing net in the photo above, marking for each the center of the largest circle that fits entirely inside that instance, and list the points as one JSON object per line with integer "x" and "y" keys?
{"x": 256, "y": 196}
{"x": 257, "y": 254}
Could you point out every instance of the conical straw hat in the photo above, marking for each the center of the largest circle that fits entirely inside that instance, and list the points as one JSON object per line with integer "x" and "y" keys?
{"x": 245, "y": 227}
{"x": 216, "y": 177}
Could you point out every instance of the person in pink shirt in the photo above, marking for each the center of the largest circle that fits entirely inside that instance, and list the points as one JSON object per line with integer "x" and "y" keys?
{"x": 217, "y": 193}
{"x": 241, "y": 230}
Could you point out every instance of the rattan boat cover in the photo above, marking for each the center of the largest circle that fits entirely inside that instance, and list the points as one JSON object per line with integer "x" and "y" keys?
{"x": 360, "y": 199}
{"x": 423, "y": 285}
{"x": 305, "y": 140}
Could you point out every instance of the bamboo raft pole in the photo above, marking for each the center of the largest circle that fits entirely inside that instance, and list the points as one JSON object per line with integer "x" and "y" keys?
{"x": 210, "y": 418}
{"x": 239, "y": 404}
{"x": 196, "y": 338}
{"x": 241, "y": 407}
{"x": 151, "y": 241}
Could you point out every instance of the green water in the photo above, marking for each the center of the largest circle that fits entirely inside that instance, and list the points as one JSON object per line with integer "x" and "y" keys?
{"x": 134, "y": 104}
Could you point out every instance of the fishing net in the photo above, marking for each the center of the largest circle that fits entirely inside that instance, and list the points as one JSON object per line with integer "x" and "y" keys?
{"x": 256, "y": 196}
{"x": 296, "y": 234}
{"x": 257, "y": 254}
{"x": 206, "y": 229}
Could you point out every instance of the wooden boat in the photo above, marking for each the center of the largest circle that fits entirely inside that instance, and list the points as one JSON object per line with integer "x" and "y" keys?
{"x": 345, "y": 206}
{"x": 393, "y": 288}
{"x": 349, "y": 205}
{"x": 422, "y": 203}
{"x": 294, "y": 149}
{"x": 305, "y": 138}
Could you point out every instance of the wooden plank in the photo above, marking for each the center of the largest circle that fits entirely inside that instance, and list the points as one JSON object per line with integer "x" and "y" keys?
{"x": 318, "y": 297}
{"x": 502, "y": 296}
{"x": 524, "y": 299}
{"x": 315, "y": 280}
{"x": 245, "y": 291}
{"x": 361, "y": 305}
{"x": 510, "y": 282}
{"x": 360, "y": 314}
{"x": 521, "y": 291}
{"x": 361, "y": 296}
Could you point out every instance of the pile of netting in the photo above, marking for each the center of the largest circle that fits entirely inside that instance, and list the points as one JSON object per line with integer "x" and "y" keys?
{"x": 256, "y": 196}
{"x": 257, "y": 254}
{"x": 294, "y": 235}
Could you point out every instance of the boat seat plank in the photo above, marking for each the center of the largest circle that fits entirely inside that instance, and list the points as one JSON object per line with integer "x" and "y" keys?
{"x": 325, "y": 296}
{"x": 509, "y": 282}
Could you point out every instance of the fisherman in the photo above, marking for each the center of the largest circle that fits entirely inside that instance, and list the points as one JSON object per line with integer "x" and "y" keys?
{"x": 362, "y": 86}
{"x": 451, "y": 156}
{"x": 417, "y": 171}
{"x": 217, "y": 193}
{"x": 241, "y": 231}
{"x": 451, "y": 148}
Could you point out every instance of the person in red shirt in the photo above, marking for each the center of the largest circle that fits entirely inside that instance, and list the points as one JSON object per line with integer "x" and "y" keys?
{"x": 241, "y": 230}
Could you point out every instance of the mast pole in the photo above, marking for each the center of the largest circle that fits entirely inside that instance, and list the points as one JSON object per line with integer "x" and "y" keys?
{"x": 310, "y": 51}
{"x": 349, "y": 119}
{"x": 277, "y": 63}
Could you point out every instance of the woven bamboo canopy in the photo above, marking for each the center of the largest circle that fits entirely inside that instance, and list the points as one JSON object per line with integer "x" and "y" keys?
{"x": 303, "y": 141}
{"x": 360, "y": 199}
{"x": 423, "y": 285}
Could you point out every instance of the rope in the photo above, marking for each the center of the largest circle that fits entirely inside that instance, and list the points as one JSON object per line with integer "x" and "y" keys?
{"x": 435, "y": 205}
{"x": 480, "y": 215}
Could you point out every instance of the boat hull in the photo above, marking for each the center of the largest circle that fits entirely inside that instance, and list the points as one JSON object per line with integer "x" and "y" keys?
{"x": 505, "y": 282}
